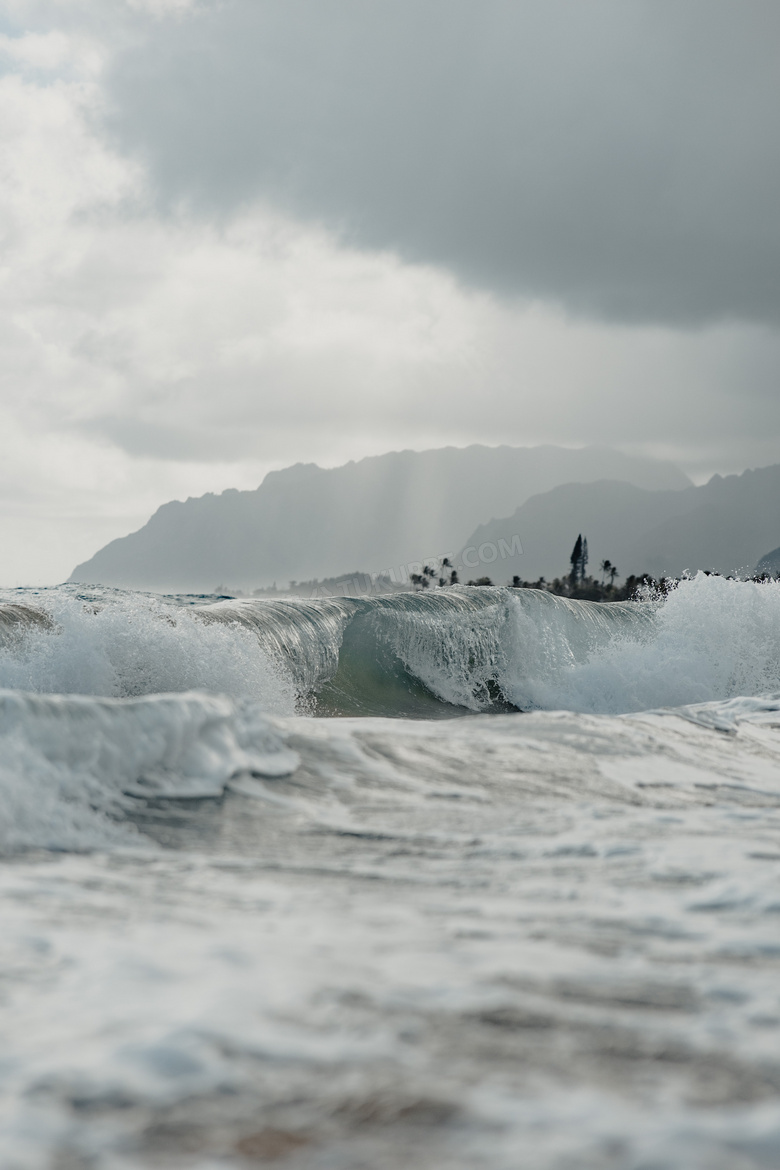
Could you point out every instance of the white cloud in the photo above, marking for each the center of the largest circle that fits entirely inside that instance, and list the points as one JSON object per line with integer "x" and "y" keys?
{"x": 146, "y": 356}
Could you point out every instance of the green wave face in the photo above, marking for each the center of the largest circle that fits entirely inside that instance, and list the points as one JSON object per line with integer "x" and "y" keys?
{"x": 371, "y": 679}
{"x": 424, "y": 655}
{"x": 428, "y": 655}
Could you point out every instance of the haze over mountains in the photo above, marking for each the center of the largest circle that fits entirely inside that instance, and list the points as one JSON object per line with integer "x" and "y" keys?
{"x": 382, "y": 512}
{"x": 726, "y": 525}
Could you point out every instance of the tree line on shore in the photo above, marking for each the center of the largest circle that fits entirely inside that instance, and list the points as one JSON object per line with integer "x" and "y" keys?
{"x": 577, "y": 583}
{"x": 581, "y": 586}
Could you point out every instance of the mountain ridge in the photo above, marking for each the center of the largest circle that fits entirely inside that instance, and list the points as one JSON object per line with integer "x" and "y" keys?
{"x": 724, "y": 526}
{"x": 381, "y": 512}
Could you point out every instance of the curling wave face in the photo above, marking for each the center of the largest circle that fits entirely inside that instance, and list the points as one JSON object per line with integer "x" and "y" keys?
{"x": 108, "y": 697}
{"x": 423, "y": 655}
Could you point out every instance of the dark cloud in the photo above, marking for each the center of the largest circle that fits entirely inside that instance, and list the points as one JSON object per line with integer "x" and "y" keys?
{"x": 619, "y": 156}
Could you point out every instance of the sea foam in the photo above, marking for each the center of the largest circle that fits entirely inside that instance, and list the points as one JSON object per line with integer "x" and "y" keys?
{"x": 121, "y": 645}
{"x": 710, "y": 639}
{"x": 426, "y": 654}
{"x": 73, "y": 766}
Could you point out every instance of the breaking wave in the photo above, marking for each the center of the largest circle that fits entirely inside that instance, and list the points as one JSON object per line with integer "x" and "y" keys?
{"x": 123, "y": 645}
{"x": 421, "y": 655}
{"x": 711, "y": 639}
{"x": 108, "y": 698}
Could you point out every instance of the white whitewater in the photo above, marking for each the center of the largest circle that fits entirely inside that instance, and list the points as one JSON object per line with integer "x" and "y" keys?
{"x": 711, "y": 639}
{"x": 475, "y": 878}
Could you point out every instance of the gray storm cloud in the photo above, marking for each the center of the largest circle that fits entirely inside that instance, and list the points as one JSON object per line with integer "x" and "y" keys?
{"x": 620, "y": 157}
{"x": 239, "y": 234}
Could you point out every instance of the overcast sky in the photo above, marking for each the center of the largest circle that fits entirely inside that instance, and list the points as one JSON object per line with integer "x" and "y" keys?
{"x": 245, "y": 233}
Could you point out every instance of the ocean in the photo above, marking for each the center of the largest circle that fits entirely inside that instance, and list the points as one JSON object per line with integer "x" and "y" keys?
{"x": 463, "y": 878}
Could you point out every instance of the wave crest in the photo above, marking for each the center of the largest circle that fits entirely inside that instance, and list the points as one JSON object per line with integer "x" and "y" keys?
{"x": 407, "y": 655}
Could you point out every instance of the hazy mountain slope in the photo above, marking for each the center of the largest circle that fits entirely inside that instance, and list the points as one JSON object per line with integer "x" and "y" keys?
{"x": 725, "y": 525}
{"x": 607, "y": 512}
{"x": 382, "y": 512}
{"x": 770, "y": 563}
{"x": 735, "y": 520}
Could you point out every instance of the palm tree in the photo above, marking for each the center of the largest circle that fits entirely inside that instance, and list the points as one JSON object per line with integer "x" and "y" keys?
{"x": 606, "y": 568}
{"x": 613, "y": 573}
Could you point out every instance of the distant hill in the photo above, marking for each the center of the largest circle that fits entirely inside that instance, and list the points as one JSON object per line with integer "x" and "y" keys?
{"x": 382, "y": 512}
{"x": 770, "y": 563}
{"x": 724, "y": 525}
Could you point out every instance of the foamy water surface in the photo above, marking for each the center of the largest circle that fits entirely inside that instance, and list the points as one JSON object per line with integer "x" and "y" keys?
{"x": 476, "y": 878}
